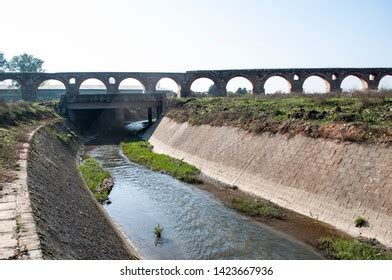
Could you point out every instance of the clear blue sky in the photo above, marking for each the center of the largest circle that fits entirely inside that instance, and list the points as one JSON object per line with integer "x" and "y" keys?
{"x": 179, "y": 35}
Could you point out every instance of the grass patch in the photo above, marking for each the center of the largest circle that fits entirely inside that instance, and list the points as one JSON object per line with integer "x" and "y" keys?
{"x": 141, "y": 152}
{"x": 66, "y": 137}
{"x": 22, "y": 112}
{"x": 94, "y": 176}
{"x": 257, "y": 208}
{"x": 356, "y": 249}
{"x": 8, "y": 155}
{"x": 16, "y": 120}
{"x": 355, "y": 116}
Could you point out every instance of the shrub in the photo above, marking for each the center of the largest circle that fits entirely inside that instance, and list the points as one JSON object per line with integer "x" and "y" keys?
{"x": 360, "y": 222}
{"x": 66, "y": 138}
{"x": 4, "y": 109}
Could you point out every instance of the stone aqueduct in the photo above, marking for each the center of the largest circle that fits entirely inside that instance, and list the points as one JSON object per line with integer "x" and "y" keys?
{"x": 332, "y": 77}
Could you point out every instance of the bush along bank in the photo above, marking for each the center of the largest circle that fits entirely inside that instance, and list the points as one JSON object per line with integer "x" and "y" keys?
{"x": 99, "y": 181}
{"x": 140, "y": 151}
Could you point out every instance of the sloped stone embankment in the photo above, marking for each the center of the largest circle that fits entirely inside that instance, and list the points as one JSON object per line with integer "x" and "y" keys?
{"x": 69, "y": 222}
{"x": 329, "y": 180}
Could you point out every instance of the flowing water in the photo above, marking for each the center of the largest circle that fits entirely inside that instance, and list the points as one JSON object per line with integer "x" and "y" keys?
{"x": 196, "y": 225}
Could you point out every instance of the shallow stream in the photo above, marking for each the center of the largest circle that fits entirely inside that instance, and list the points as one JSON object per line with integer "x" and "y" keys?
{"x": 196, "y": 224}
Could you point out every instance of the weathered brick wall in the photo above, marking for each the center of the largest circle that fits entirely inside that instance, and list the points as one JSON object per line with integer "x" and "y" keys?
{"x": 328, "y": 180}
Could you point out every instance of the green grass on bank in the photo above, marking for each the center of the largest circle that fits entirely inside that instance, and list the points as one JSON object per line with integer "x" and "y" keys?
{"x": 358, "y": 116}
{"x": 94, "y": 176}
{"x": 354, "y": 249}
{"x": 8, "y": 154}
{"x": 257, "y": 208}
{"x": 16, "y": 120}
{"x": 66, "y": 137}
{"x": 141, "y": 152}
{"x": 14, "y": 114}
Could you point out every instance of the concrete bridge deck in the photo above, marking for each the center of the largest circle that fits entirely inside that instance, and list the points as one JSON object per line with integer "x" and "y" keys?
{"x": 113, "y": 101}
{"x": 110, "y": 108}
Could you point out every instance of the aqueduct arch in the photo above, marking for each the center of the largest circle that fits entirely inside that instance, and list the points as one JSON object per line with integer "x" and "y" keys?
{"x": 387, "y": 79}
{"x": 236, "y": 82}
{"x": 295, "y": 77}
{"x": 13, "y": 90}
{"x": 130, "y": 82}
{"x": 44, "y": 90}
{"x": 354, "y": 77}
{"x": 202, "y": 85}
{"x": 39, "y": 82}
{"x": 84, "y": 84}
{"x": 323, "y": 78}
{"x": 277, "y": 84}
{"x": 168, "y": 83}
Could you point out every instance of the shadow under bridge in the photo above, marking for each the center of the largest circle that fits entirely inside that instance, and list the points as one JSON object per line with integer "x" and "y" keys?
{"x": 112, "y": 109}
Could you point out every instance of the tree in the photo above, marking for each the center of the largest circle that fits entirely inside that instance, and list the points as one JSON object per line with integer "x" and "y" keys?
{"x": 241, "y": 91}
{"x": 25, "y": 63}
{"x": 3, "y": 62}
{"x": 212, "y": 90}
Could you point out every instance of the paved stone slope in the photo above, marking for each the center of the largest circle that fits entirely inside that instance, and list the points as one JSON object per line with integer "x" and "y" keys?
{"x": 328, "y": 180}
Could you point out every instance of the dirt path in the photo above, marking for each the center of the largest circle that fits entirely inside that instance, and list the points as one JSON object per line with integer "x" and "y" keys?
{"x": 18, "y": 233}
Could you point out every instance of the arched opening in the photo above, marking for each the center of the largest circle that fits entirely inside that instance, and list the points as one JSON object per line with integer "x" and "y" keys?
{"x": 385, "y": 83}
{"x": 315, "y": 84}
{"x": 72, "y": 81}
{"x": 239, "y": 86}
{"x": 131, "y": 85}
{"x": 277, "y": 84}
{"x": 92, "y": 86}
{"x": 50, "y": 90}
{"x": 203, "y": 87}
{"x": 353, "y": 83}
{"x": 168, "y": 86}
{"x": 10, "y": 91}
{"x": 112, "y": 80}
